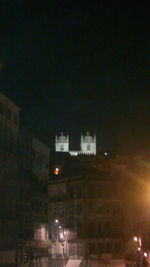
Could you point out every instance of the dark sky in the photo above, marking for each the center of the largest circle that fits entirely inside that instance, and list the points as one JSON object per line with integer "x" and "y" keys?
{"x": 79, "y": 67}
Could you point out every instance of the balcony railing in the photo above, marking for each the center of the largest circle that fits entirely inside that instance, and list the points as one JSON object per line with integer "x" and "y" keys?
{"x": 41, "y": 244}
{"x": 58, "y": 256}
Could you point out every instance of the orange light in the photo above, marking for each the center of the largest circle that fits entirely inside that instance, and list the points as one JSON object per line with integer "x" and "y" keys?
{"x": 135, "y": 239}
{"x": 57, "y": 171}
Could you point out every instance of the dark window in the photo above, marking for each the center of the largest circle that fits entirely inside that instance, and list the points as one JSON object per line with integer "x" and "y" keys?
{"x": 36, "y": 206}
{"x": 90, "y": 191}
{"x": 45, "y": 206}
{"x": 16, "y": 119}
{"x": 88, "y": 147}
{"x": 100, "y": 229}
{"x": 78, "y": 208}
{"x": 78, "y": 227}
{"x": 78, "y": 191}
{"x": 40, "y": 207}
{"x": 8, "y": 114}
{"x": 71, "y": 191}
{"x": 118, "y": 247}
{"x": 1, "y": 108}
{"x": 100, "y": 247}
{"x": 92, "y": 248}
{"x": 109, "y": 247}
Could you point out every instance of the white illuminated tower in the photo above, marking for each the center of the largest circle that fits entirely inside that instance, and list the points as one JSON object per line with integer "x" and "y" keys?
{"x": 88, "y": 144}
{"x": 62, "y": 143}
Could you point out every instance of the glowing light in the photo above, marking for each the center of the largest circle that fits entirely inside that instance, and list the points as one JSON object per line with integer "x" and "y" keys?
{"x": 61, "y": 235}
{"x": 57, "y": 171}
{"x": 145, "y": 254}
{"x": 135, "y": 238}
{"x": 59, "y": 227}
{"x": 139, "y": 249}
{"x": 56, "y": 221}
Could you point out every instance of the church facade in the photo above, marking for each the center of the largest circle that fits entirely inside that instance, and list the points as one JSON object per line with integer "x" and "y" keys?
{"x": 87, "y": 145}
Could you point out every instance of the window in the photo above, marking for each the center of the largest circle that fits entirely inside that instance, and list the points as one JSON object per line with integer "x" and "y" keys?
{"x": 1, "y": 108}
{"x": 38, "y": 233}
{"x": 92, "y": 248}
{"x": 100, "y": 247}
{"x": 118, "y": 247}
{"x": 88, "y": 147}
{"x": 46, "y": 233}
{"x": 45, "y": 208}
{"x": 109, "y": 247}
{"x": 40, "y": 207}
{"x": 15, "y": 119}
{"x": 62, "y": 148}
{"x": 78, "y": 208}
{"x": 78, "y": 228}
{"x": 78, "y": 191}
{"x": 8, "y": 114}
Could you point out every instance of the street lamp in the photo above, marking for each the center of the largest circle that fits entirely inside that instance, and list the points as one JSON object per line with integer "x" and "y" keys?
{"x": 139, "y": 249}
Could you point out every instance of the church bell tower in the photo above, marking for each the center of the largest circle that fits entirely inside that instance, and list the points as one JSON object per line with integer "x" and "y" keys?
{"x": 62, "y": 143}
{"x": 88, "y": 144}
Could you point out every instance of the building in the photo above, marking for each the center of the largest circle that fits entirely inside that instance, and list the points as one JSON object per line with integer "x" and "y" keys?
{"x": 9, "y": 184}
{"x": 24, "y": 175}
{"x": 87, "y": 214}
{"x": 87, "y": 145}
{"x": 39, "y": 203}
{"x": 9, "y": 123}
{"x": 40, "y": 159}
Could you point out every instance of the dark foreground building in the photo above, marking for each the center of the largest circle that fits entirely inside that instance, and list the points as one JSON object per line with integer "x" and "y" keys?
{"x": 88, "y": 214}
{"x": 24, "y": 175}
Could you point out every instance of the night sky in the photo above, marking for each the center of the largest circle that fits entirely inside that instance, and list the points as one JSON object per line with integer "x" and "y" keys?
{"x": 75, "y": 68}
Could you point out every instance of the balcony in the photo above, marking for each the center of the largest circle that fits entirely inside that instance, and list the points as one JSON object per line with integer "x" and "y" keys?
{"x": 58, "y": 256}
{"x": 41, "y": 244}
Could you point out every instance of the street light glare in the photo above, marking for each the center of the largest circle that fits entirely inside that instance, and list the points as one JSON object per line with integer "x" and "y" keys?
{"x": 56, "y": 221}
{"x": 145, "y": 254}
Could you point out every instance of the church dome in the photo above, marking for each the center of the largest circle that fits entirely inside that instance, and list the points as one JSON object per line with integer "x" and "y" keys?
{"x": 88, "y": 138}
{"x": 62, "y": 138}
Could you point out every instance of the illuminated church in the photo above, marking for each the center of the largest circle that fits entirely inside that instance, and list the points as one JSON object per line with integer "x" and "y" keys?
{"x": 87, "y": 145}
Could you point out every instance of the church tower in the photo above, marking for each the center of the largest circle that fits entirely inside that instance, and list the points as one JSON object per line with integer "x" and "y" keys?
{"x": 62, "y": 143}
{"x": 88, "y": 144}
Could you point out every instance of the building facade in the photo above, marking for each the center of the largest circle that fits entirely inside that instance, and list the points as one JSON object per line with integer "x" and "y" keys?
{"x": 9, "y": 184}
{"x": 87, "y": 215}
{"x": 39, "y": 203}
{"x": 87, "y": 145}
{"x": 24, "y": 175}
